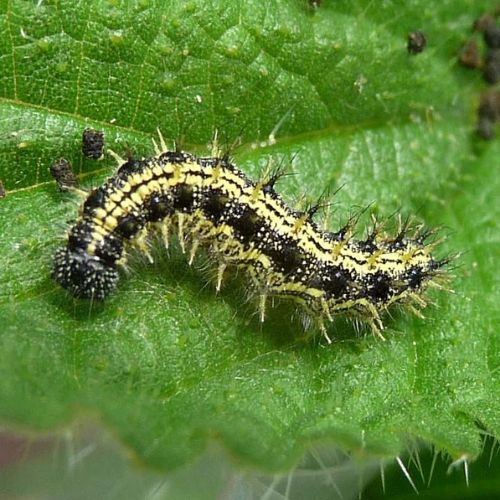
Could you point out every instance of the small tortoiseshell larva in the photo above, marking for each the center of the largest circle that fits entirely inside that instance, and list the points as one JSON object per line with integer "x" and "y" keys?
{"x": 416, "y": 42}
{"x": 62, "y": 171}
{"x": 93, "y": 143}
{"x": 209, "y": 203}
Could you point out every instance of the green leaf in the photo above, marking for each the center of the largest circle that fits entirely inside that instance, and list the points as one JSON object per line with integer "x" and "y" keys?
{"x": 166, "y": 363}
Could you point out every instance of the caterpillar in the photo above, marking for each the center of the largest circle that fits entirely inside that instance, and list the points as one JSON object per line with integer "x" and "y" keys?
{"x": 208, "y": 202}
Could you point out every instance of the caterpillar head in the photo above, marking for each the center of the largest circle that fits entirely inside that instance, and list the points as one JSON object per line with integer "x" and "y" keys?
{"x": 84, "y": 276}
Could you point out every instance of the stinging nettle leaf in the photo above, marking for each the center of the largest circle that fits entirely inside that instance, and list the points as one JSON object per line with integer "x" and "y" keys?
{"x": 168, "y": 364}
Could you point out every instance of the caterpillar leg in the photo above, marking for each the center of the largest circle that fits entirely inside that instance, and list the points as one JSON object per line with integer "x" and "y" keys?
{"x": 262, "y": 306}
{"x": 194, "y": 248}
{"x": 326, "y": 310}
{"x": 141, "y": 243}
{"x": 322, "y": 329}
{"x": 165, "y": 232}
{"x": 180, "y": 232}
{"x": 220, "y": 275}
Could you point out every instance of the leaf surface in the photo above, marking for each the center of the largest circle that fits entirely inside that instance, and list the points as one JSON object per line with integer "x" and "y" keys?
{"x": 165, "y": 362}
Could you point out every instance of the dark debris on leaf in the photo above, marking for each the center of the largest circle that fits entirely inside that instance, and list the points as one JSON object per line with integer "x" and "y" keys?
{"x": 93, "y": 143}
{"x": 469, "y": 55}
{"x": 488, "y": 114}
{"x": 417, "y": 42}
{"x": 491, "y": 71}
{"x": 483, "y": 22}
{"x": 492, "y": 36}
{"x": 489, "y": 63}
{"x": 62, "y": 171}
